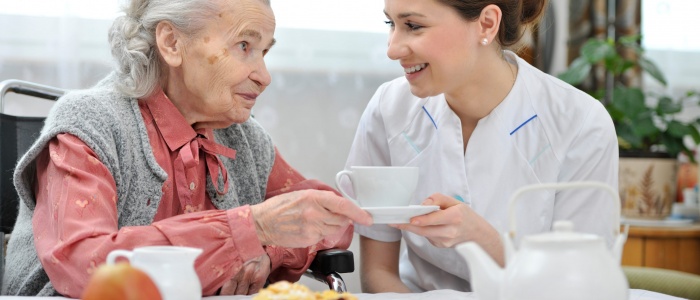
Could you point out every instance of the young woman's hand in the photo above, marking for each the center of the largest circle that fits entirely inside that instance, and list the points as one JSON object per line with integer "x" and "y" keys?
{"x": 454, "y": 223}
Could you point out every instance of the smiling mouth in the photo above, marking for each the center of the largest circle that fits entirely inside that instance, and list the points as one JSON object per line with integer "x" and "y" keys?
{"x": 415, "y": 68}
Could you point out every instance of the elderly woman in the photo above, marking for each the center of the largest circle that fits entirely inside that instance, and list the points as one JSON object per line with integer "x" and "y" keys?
{"x": 164, "y": 152}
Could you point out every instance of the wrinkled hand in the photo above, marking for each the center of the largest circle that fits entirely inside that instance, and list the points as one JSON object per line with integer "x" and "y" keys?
{"x": 303, "y": 218}
{"x": 250, "y": 279}
{"x": 454, "y": 223}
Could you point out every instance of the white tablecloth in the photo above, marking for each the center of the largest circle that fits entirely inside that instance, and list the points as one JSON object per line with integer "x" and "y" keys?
{"x": 454, "y": 295}
{"x": 439, "y": 294}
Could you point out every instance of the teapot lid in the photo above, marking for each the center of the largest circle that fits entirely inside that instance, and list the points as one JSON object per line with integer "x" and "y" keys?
{"x": 563, "y": 232}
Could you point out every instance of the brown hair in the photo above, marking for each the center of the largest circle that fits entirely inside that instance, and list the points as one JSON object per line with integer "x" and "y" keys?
{"x": 517, "y": 14}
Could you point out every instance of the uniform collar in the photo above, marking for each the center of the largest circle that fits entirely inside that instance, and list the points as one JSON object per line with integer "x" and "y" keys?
{"x": 515, "y": 111}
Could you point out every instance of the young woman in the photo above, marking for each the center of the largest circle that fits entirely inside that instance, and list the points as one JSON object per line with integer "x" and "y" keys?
{"x": 480, "y": 123}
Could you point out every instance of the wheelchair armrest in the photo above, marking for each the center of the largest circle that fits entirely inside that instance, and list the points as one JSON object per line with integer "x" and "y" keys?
{"x": 327, "y": 265}
{"x": 333, "y": 260}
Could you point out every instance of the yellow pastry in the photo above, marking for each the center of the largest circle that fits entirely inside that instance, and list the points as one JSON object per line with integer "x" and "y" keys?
{"x": 284, "y": 290}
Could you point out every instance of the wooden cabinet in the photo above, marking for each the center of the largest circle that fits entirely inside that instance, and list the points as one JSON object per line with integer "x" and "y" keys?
{"x": 675, "y": 248}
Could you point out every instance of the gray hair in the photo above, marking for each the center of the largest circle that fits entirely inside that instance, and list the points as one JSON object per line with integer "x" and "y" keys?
{"x": 133, "y": 42}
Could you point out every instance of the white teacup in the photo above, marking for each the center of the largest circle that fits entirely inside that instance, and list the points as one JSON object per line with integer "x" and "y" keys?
{"x": 170, "y": 267}
{"x": 384, "y": 186}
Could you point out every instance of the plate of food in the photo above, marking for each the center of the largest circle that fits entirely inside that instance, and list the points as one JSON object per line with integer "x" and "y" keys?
{"x": 285, "y": 290}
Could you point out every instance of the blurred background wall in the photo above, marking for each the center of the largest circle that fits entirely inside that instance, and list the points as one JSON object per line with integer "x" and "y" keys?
{"x": 327, "y": 63}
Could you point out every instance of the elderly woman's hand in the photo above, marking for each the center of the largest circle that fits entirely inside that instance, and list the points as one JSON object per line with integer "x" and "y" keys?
{"x": 250, "y": 279}
{"x": 303, "y": 218}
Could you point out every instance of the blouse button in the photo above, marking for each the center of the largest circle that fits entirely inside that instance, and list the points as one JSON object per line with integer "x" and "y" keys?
{"x": 192, "y": 186}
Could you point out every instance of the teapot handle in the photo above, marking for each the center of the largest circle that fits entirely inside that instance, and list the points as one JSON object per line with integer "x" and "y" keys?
{"x": 564, "y": 186}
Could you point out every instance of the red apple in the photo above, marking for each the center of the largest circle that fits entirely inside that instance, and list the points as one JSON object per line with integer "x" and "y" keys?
{"x": 120, "y": 281}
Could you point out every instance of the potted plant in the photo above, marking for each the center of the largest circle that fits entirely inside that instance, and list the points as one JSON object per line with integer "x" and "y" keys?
{"x": 650, "y": 132}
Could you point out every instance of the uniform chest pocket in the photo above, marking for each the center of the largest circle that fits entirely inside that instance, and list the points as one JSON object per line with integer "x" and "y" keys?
{"x": 536, "y": 149}
{"x": 409, "y": 146}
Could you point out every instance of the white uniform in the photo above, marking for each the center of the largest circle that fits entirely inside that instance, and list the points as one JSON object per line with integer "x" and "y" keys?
{"x": 544, "y": 131}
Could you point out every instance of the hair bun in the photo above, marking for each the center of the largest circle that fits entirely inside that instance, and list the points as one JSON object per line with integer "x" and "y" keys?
{"x": 131, "y": 49}
{"x": 532, "y": 10}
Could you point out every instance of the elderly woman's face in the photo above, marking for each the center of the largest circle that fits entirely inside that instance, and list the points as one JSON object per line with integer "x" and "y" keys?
{"x": 223, "y": 71}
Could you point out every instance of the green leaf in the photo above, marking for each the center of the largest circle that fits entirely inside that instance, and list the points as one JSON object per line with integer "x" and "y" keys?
{"x": 636, "y": 48}
{"x": 631, "y": 42}
{"x": 578, "y": 71}
{"x": 651, "y": 68}
{"x": 668, "y": 106}
{"x": 630, "y": 101}
{"x": 644, "y": 126}
{"x": 632, "y": 39}
{"x": 673, "y": 145}
{"x": 694, "y": 133}
{"x": 598, "y": 94}
{"x": 624, "y": 132}
{"x": 626, "y": 65}
{"x": 677, "y": 129}
{"x": 616, "y": 114}
{"x": 614, "y": 64}
{"x": 595, "y": 50}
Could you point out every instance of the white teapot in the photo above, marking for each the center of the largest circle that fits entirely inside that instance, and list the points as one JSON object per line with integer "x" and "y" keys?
{"x": 562, "y": 264}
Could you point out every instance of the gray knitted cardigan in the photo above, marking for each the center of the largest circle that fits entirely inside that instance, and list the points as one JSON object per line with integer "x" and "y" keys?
{"x": 111, "y": 124}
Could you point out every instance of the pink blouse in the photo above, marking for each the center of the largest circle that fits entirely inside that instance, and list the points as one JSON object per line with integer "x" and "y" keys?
{"x": 75, "y": 219}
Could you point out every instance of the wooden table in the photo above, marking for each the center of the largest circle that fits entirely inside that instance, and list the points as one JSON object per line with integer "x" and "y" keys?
{"x": 675, "y": 248}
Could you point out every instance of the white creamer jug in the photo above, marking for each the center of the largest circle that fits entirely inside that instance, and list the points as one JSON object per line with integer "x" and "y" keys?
{"x": 170, "y": 267}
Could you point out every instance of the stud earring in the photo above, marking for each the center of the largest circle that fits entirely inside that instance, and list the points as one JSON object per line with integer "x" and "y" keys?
{"x": 484, "y": 41}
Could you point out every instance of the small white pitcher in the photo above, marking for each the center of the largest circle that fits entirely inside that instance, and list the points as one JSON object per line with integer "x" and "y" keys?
{"x": 170, "y": 267}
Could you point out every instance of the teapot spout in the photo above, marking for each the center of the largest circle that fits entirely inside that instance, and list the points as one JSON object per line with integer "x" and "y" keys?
{"x": 486, "y": 275}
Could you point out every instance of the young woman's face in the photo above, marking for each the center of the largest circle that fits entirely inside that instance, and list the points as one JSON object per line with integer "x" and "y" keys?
{"x": 223, "y": 70}
{"x": 435, "y": 46}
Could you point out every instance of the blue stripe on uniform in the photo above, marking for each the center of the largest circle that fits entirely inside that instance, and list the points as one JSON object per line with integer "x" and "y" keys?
{"x": 429, "y": 116}
{"x": 523, "y": 124}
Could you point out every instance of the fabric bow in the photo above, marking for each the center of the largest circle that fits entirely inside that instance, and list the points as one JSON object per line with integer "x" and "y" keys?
{"x": 190, "y": 158}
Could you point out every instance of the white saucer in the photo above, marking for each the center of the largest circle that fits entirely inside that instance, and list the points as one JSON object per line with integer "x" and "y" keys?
{"x": 398, "y": 214}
